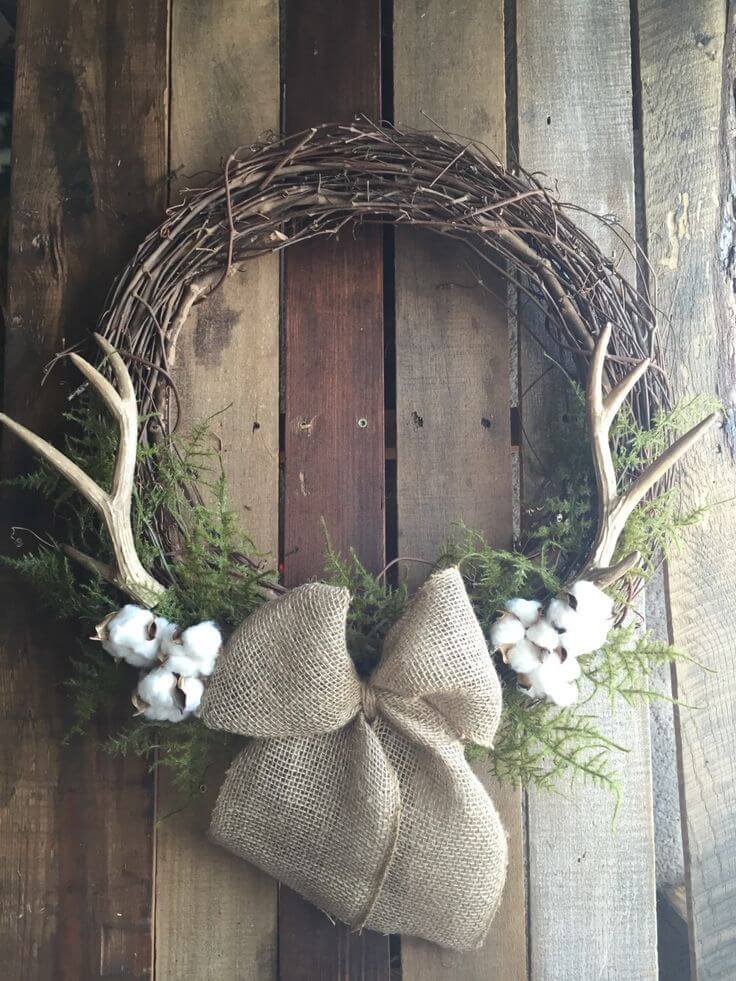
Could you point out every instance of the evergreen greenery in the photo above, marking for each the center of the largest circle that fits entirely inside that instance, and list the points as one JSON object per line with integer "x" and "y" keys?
{"x": 537, "y": 743}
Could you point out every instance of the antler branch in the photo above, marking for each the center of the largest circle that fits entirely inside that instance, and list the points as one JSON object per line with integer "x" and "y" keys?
{"x": 115, "y": 507}
{"x": 615, "y": 509}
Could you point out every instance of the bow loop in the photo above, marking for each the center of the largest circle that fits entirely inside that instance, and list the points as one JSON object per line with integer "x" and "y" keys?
{"x": 286, "y": 671}
{"x": 438, "y": 670}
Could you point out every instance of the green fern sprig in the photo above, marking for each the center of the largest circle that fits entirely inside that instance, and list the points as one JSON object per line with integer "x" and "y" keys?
{"x": 541, "y": 745}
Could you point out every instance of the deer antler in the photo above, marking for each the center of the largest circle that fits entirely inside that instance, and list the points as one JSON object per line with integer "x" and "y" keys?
{"x": 614, "y": 509}
{"x": 127, "y": 573}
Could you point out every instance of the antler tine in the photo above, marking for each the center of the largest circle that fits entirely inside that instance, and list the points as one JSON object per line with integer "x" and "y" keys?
{"x": 615, "y": 509}
{"x": 122, "y": 405}
{"x": 114, "y": 508}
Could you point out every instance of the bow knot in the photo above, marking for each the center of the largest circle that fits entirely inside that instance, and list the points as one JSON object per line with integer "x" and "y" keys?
{"x": 368, "y": 700}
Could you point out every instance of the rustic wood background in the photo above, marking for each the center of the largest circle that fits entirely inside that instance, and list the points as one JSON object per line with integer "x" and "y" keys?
{"x": 121, "y": 103}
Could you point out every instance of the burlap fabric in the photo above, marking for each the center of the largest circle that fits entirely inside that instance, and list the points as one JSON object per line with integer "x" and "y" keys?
{"x": 356, "y": 795}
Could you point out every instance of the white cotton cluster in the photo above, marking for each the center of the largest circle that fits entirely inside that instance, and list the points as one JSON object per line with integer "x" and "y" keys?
{"x": 192, "y": 652}
{"x": 173, "y": 689}
{"x": 543, "y": 646}
{"x": 163, "y": 696}
{"x": 132, "y": 634}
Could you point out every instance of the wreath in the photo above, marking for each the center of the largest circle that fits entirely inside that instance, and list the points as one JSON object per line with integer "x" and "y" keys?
{"x": 167, "y": 539}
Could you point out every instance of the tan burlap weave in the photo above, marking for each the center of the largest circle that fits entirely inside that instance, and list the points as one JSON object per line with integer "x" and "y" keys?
{"x": 358, "y": 795}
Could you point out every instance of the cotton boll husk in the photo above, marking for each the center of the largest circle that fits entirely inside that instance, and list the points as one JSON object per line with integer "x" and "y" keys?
{"x": 523, "y": 656}
{"x": 591, "y": 601}
{"x": 528, "y": 611}
{"x": 193, "y": 690}
{"x": 544, "y": 635}
{"x": 506, "y": 631}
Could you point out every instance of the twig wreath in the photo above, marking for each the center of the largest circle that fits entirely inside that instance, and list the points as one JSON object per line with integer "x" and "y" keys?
{"x": 170, "y": 550}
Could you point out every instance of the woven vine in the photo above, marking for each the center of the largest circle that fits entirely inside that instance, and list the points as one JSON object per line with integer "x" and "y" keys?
{"x": 323, "y": 180}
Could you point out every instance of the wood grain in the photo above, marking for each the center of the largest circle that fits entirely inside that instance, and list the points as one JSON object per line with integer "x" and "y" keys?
{"x": 216, "y": 916}
{"x": 89, "y": 167}
{"x": 687, "y": 76}
{"x": 333, "y": 430}
{"x": 453, "y": 388}
{"x": 591, "y": 882}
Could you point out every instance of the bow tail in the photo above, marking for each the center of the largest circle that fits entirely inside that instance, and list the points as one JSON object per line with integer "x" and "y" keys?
{"x": 320, "y": 814}
{"x": 446, "y": 876}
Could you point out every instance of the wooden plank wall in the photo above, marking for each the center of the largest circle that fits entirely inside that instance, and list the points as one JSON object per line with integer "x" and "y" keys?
{"x": 591, "y": 883}
{"x": 216, "y": 917}
{"x": 89, "y": 886}
{"x": 89, "y": 167}
{"x": 687, "y": 75}
{"x": 334, "y": 393}
{"x": 453, "y": 386}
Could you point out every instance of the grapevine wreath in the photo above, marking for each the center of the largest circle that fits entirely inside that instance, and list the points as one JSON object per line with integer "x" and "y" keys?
{"x": 350, "y": 689}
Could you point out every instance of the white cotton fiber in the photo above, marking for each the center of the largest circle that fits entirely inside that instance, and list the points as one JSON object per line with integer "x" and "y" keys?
{"x": 591, "y": 601}
{"x": 587, "y": 636}
{"x": 561, "y": 615}
{"x": 551, "y": 681}
{"x": 133, "y": 635}
{"x": 544, "y": 635}
{"x": 528, "y": 611}
{"x": 158, "y": 692}
{"x": 523, "y": 656}
{"x": 506, "y": 631}
{"x": 194, "y": 651}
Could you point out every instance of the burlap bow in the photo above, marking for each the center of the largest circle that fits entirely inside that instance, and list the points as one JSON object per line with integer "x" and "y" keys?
{"x": 355, "y": 794}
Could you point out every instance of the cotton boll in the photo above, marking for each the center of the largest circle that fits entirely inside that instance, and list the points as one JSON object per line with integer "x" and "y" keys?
{"x": 173, "y": 654}
{"x": 158, "y": 697}
{"x": 590, "y": 601}
{"x": 561, "y": 615}
{"x": 528, "y": 611}
{"x": 195, "y": 651}
{"x": 551, "y": 680}
{"x": 168, "y": 633}
{"x": 544, "y": 635}
{"x": 570, "y": 669}
{"x": 532, "y": 688}
{"x": 183, "y": 665}
{"x": 506, "y": 631}
{"x": 564, "y": 694}
{"x": 523, "y": 656}
{"x": 193, "y": 690}
{"x": 132, "y": 634}
{"x": 586, "y": 636}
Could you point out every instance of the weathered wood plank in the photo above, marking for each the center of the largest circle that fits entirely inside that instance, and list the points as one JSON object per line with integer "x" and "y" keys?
{"x": 687, "y": 76}
{"x": 89, "y": 167}
{"x": 216, "y": 916}
{"x": 453, "y": 386}
{"x": 333, "y": 431}
{"x": 591, "y": 884}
